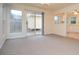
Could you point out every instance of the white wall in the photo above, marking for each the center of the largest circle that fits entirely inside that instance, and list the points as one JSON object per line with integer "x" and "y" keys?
{"x": 52, "y": 28}
{"x": 49, "y": 27}
{"x": 3, "y": 27}
{"x": 61, "y": 29}
{"x": 68, "y": 10}
{"x": 73, "y": 27}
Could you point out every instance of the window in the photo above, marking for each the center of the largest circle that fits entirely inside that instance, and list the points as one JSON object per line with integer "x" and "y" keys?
{"x": 57, "y": 19}
{"x": 16, "y": 21}
{"x": 73, "y": 20}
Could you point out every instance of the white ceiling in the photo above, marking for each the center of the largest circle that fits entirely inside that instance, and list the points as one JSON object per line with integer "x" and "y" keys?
{"x": 50, "y": 6}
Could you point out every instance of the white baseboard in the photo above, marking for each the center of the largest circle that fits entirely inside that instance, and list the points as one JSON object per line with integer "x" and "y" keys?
{"x": 19, "y": 35}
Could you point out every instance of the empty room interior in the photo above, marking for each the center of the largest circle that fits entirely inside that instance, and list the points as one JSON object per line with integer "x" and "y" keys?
{"x": 39, "y": 28}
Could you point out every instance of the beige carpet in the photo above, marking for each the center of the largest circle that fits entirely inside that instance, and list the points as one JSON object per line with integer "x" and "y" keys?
{"x": 40, "y": 45}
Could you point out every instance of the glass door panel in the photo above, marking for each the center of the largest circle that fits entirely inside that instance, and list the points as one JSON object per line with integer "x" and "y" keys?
{"x": 38, "y": 23}
{"x": 34, "y": 23}
{"x": 16, "y": 21}
{"x": 30, "y": 24}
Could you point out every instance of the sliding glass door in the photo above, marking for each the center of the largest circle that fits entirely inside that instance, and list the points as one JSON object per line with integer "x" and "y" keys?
{"x": 16, "y": 21}
{"x": 34, "y": 23}
{"x": 30, "y": 23}
{"x": 38, "y": 23}
{"x": 32, "y": 26}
